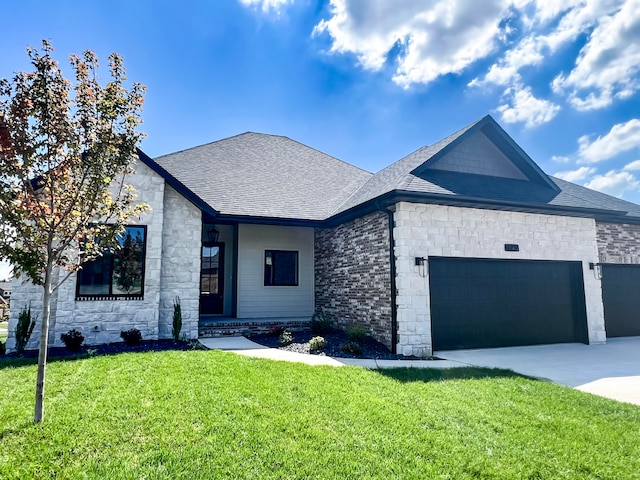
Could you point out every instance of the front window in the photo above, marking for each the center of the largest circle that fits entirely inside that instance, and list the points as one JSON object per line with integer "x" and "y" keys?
{"x": 280, "y": 268}
{"x": 117, "y": 274}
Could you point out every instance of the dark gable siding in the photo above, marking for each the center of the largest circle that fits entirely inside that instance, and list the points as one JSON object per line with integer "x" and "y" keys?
{"x": 353, "y": 274}
{"x": 618, "y": 243}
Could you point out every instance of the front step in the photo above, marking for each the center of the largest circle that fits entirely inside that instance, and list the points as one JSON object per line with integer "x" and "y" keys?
{"x": 211, "y": 328}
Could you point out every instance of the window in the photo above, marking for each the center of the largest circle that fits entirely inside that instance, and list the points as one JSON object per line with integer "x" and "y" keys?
{"x": 117, "y": 274}
{"x": 280, "y": 268}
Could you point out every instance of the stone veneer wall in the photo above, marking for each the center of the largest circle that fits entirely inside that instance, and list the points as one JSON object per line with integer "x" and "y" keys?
{"x": 180, "y": 271}
{"x": 353, "y": 274}
{"x": 434, "y": 230}
{"x": 618, "y": 242}
{"x": 101, "y": 321}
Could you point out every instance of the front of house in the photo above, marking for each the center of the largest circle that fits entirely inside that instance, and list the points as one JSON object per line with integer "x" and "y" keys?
{"x": 465, "y": 243}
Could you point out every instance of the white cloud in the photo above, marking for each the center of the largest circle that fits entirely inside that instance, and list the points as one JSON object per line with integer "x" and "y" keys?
{"x": 635, "y": 165}
{"x": 621, "y": 138}
{"x": 576, "y": 175}
{"x": 560, "y": 159}
{"x": 266, "y": 5}
{"x": 607, "y": 66}
{"x": 436, "y": 37}
{"x": 614, "y": 183}
{"x": 524, "y": 107}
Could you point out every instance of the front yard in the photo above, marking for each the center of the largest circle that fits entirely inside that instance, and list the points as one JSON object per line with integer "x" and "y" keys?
{"x": 207, "y": 414}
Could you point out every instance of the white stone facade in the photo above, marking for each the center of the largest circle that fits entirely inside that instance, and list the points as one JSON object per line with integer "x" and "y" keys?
{"x": 423, "y": 230}
{"x": 101, "y": 321}
{"x": 180, "y": 271}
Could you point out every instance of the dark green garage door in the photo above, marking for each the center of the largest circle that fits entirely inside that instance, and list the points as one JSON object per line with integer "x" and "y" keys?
{"x": 621, "y": 297}
{"x": 478, "y": 303}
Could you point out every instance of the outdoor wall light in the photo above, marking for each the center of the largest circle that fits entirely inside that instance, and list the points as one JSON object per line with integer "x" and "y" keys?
{"x": 420, "y": 261}
{"x": 597, "y": 270}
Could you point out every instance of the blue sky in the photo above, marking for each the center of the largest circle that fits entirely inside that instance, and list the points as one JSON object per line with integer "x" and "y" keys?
{"x": 369, "y": 81}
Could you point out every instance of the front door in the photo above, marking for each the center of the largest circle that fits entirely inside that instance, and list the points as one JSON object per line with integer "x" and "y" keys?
{"x": 212, "y": 278}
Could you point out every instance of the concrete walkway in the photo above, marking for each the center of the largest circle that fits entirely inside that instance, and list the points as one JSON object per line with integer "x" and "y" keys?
{"x": 244, "y": 346}
{"x": 611, "y": 370}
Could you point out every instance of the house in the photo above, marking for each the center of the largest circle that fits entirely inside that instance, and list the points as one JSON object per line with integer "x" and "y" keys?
{"x": 464, "y": 243}
{"x": 5, "y": 299}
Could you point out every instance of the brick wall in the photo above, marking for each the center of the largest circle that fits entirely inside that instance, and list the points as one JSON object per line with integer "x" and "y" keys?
{"x": 353, "y": 274}
{"x": 618, "y": 242}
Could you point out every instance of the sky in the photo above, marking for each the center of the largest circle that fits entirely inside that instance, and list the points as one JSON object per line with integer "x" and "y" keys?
{"x": 368, "y": 81}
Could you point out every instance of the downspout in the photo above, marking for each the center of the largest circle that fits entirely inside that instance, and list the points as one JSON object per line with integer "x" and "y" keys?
{"x": 392, "y": 264}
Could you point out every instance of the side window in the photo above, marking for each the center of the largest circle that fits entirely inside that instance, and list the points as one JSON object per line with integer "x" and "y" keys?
{"x": 118, "y": 274}
{"x": 280, "y": 268}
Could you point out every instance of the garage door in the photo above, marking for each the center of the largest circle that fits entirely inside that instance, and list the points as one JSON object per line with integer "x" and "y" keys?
{"x": 478, "y": 303}
{"x": 621, "y": 297}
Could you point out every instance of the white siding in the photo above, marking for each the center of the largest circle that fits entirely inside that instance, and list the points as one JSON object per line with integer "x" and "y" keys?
{"x": 434, "y": 230}
{"x": 254, "y": 299}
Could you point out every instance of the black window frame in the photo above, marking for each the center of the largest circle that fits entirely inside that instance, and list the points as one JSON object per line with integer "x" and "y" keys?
{"x": 270, "y": 274}
{"x": 112, "y": 257}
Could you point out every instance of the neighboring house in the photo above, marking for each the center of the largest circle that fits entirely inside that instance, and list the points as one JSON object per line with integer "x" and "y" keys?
{"x": 5, "y": 298}
{"x": 464, "y": 243}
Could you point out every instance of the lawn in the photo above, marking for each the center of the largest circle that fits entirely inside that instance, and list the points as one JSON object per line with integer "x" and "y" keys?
{"x": 207, "y": 414}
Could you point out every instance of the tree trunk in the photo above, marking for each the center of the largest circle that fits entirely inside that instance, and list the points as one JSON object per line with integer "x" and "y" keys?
{"x": 44, "y": 345}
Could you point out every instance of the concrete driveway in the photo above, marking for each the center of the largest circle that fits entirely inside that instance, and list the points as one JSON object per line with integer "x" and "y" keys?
{"x": 611, "y": 370}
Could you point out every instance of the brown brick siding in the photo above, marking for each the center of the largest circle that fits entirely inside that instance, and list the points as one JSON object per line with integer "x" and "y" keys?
{"x": 353, "y": 274}
{"x": 618, "y": 242}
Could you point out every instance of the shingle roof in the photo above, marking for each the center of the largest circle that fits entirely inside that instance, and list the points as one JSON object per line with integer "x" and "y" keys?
{"x": 271, "y": 176}
{"x": 266, "y": 176}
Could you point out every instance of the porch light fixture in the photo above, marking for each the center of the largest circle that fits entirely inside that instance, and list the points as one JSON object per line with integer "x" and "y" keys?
{"x": 597, "y": 270}
{"x": 213, "y": 234}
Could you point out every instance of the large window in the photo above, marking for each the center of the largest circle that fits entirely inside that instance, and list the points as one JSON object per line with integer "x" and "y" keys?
{"x": 280, "y": 268}
{"x": 118, "y": 274}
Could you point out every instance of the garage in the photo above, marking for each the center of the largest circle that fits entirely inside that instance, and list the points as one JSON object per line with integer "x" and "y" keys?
{"x": 621, "y": 298}
{"x": 484, "y": 303}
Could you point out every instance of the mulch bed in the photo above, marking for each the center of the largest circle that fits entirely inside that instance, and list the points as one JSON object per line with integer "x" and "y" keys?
{"x": 112, "y": 349}
{"x": 334, "y": 339}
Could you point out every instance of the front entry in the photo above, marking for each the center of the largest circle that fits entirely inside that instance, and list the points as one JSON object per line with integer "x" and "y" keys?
{"x": 212, "y": 278}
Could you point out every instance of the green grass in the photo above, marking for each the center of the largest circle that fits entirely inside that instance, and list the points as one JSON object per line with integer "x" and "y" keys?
{"x": 205, "y": 414}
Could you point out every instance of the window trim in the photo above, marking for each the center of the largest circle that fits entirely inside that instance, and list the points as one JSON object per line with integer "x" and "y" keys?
{"x": 272, "y": 276}
{"x": 118, "y": 296}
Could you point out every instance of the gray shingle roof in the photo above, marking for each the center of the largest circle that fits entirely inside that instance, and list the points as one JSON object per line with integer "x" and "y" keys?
{"x": 271, "y": 176}
{"x": 266, "y": 176}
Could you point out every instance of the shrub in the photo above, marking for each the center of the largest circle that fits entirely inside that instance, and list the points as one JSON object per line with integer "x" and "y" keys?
{"x": 24, "y": 328}
{"x": 276, "y": 330}
{"x": 131, "y": 337}
{"x": 320, "y": 323}
{"x": 357, "y": 332}
{"x": 177, "y": 319}
{"x": 286, "y": 338}
{"x": 73, "y": 339}
{"x": 317, "y": 344}
{"x": 3, "y": 348}
{"x": 351, "y": 347}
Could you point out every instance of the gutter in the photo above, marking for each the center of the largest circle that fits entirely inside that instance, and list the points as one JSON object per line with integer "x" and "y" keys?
{"x": 392, "y": 265}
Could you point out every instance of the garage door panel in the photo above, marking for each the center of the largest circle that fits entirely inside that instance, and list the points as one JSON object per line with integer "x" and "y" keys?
{"x": 621, "y": 299}
{"x": 478, "y": 303}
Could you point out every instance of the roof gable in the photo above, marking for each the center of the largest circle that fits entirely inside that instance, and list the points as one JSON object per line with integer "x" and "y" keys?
{"x": 484, "y": 148}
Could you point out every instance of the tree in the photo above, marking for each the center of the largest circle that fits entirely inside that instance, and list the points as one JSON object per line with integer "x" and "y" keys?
{"x": 65, "y": 152}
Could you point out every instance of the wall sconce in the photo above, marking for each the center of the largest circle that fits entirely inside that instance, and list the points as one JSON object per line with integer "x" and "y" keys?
{"x": 597, "y": 270}
{"x": 212, "y": 234}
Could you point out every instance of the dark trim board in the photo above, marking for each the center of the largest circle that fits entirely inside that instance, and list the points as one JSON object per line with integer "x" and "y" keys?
{"x": 487, "y": 303}
{"x": 621, "y": 299}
